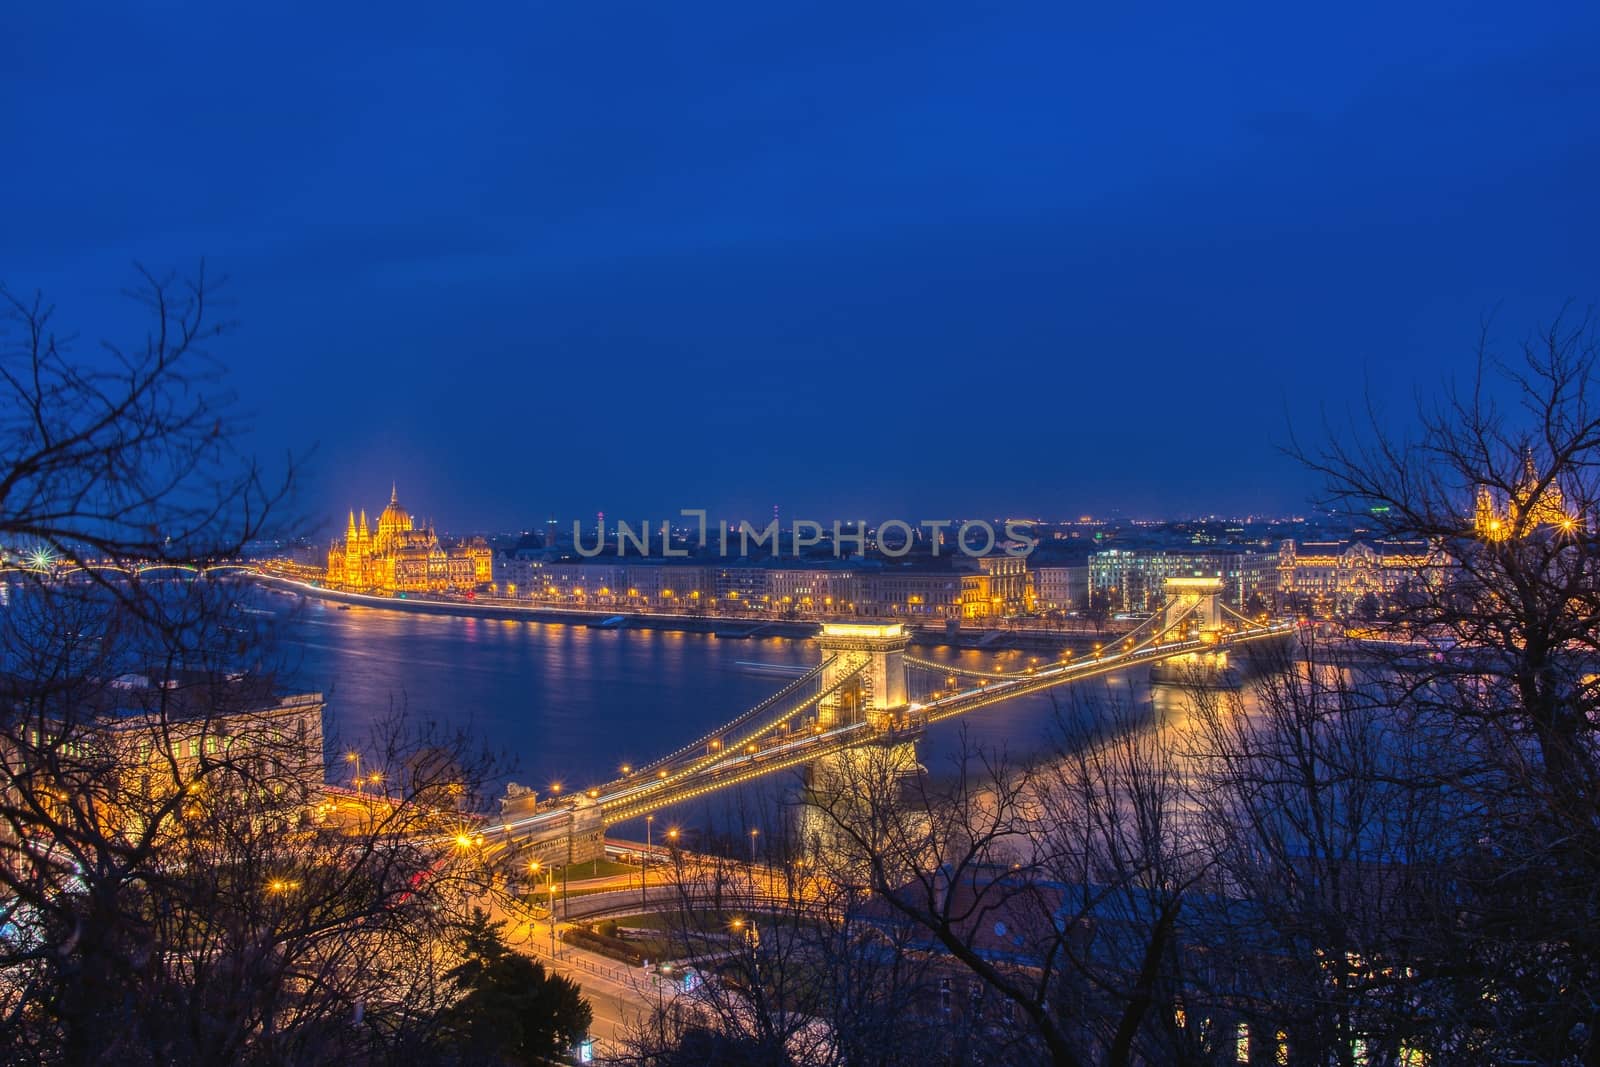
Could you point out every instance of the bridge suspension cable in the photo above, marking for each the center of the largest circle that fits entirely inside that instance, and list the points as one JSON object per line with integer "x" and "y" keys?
{"x": 965, "y": 672}
{"x": 738, "y": 768}
{"x": 633, "y": 790}
{"x": 735, "y": 764}
{"x": 1240, "y": 616}
{"x": 1005, "y": 676}
{"x": 1161, "y": 617}
{"x": 783, "y": 694}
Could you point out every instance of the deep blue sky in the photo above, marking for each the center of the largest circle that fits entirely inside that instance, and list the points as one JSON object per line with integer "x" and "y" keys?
{"x": 917, "y": 259}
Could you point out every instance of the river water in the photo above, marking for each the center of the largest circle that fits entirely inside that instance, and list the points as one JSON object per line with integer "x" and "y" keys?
{"x": 565, "y": 703}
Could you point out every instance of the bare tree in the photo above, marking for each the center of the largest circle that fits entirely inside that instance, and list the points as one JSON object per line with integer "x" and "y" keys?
{"x": 1057, "y": 885}
{"x": 177, "y": 884}
{"x": 1327, "y": 803}
{"x": 135, "y": 452}
{"x": 785, "y": 968}
{"x": 1501, "y": 480}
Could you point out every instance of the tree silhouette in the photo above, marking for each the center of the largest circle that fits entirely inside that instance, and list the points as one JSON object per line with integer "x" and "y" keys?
{"x": 510, "y": 1009}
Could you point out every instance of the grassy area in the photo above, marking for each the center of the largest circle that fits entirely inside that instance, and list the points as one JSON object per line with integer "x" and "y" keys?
{"x": 615, "y": 947}
{"x": 602, "y": 869}
{"x": 597, "y": 869}
{"x": 649, "y": 921}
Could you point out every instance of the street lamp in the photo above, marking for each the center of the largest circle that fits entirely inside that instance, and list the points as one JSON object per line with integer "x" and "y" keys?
{"x": 355, "y": 757}
{"x": 748, "y": 934}
{"x": 644, "y": 868}
{"x": 552, "y": 917}
{"x": 754, "y": 833}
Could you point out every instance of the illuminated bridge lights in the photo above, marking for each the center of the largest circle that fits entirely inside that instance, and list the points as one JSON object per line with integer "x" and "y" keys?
{"x": 742, "y": 751}
{"x": 716, "y": 735}
{"x": 37, "y": 564}
{"x": 744, "y": 745}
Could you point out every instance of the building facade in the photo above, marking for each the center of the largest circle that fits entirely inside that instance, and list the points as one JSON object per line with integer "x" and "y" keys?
{"x": 1061, "y": 588}
{"x": 519, "y": 572}
{"x": 1337, "y": 577}
{"x": 986, "y": 588}
{"x": 400, "y": 557}
{"x": 1527, "y": 507}
{"x": 1132, "y": 580}
{"x": 999, "y": 586}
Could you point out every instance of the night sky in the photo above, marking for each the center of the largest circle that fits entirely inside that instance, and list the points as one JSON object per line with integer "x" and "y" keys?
{"x": 918, "y": 260}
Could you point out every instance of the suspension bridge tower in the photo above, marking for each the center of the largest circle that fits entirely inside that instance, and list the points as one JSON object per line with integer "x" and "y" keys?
{"x": 1194, "y": 612}
{"x": 875, "y": 654}
{"x": 864, "y": 781}
{"x": 1196, "y": 597}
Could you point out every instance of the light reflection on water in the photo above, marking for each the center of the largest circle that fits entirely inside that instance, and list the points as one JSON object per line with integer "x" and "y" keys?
{"x": 572, "y": 704}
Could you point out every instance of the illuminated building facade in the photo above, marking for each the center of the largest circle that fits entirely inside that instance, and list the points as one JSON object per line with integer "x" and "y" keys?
{"x": 1134, "y": 579}
{"x": 1528, "y": 508}
{"x": 400, "y": 557}
{"x": 889, "y": 592}
{"x": 1000, "y": 586}
{"x": 520, "y": 572}
{"x": 855, "y": 590}
{"x": 1336, "y": 577}
{"x": 152, "y": 737}
{"x": 275, "y": 744}
{"x": 814, "y": 589}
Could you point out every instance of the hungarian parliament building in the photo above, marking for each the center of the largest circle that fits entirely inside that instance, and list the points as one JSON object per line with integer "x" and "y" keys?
{"x": 400, "y": 557}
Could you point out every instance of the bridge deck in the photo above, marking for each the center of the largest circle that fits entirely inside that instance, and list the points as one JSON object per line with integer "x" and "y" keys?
{"x": 633, "y": 797}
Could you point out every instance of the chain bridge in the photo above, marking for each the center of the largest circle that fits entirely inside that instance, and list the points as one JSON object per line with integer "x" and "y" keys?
{"x": 859, "y": 694}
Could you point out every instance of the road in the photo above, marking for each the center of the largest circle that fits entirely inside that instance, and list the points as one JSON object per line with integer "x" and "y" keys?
{"x": 620, "y": 995}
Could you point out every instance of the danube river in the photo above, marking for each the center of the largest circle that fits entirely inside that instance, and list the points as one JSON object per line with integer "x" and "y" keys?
{"x": 568, "y": 704}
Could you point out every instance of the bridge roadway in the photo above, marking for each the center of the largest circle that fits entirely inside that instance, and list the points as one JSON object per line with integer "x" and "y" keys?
{"x": 632, "y": 797}
{"x": 50, "y": 568}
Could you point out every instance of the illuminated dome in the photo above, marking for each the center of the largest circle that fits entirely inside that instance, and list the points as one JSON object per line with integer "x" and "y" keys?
{"x": 394, "y": 519}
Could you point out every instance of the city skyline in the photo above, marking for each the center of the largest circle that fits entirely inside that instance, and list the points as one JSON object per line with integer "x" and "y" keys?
{"x": 800, "y": 535}
{"x": 959, "y": 262}
{"x": 639, "y": 530}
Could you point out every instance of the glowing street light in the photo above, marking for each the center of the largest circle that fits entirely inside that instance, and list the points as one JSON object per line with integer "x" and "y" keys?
{"x": 649, "y": 851}
{"x": 552, "y": 916}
